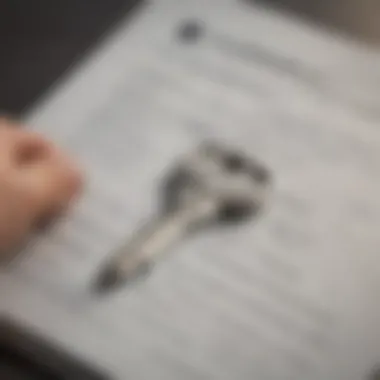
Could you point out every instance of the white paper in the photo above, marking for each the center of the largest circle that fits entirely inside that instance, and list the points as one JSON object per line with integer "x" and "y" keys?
{"x": 292, "y": 296}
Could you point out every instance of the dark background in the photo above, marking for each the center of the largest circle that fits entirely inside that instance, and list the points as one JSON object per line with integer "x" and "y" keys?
{"x": 358, "y": 18}
{"x": 40, "y": 39}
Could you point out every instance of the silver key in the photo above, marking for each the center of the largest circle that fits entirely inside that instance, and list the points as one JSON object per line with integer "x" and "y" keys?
{"x": 215, "y": 185}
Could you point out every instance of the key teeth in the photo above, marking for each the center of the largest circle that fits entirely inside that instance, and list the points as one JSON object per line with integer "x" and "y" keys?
{"x": 108, "y": 280}
{"x": 112, "y": 278}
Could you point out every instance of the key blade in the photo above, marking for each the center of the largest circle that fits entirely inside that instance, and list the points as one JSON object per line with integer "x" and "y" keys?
{"x": 135, "y": 259}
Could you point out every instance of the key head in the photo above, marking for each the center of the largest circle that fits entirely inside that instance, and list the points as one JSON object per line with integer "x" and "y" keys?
{"x": 237, "y": 183}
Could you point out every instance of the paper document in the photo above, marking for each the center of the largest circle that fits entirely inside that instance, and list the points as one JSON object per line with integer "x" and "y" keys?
{"x": 290, "y": 296}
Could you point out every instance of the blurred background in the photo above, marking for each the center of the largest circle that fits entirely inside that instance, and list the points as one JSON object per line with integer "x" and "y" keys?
{"x": 41, "y": 39}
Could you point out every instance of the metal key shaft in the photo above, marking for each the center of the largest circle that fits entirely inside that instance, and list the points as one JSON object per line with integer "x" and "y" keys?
{"x": 212, "y": 186}
{"x": 154, "y": 239}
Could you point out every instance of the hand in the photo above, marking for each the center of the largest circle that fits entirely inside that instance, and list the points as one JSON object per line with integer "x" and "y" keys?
{"x": 37, "y": 182}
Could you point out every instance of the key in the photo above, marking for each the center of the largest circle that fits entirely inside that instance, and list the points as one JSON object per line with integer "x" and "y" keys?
{"x": 215, "y": 185}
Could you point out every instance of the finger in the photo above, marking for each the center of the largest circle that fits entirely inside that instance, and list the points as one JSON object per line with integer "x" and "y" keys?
{"x": 37, "y": 181}
{"x": 15, "y": 219}
{"x": 50, "y": 182}
{"x": 46, "y": 176}
{"x": 19, "y": 145}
